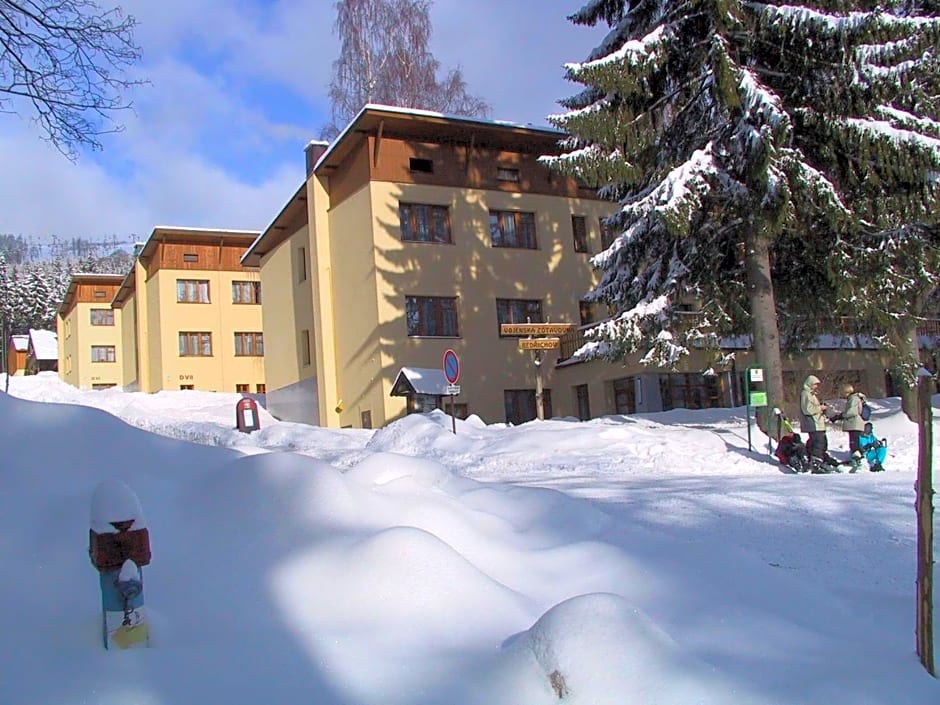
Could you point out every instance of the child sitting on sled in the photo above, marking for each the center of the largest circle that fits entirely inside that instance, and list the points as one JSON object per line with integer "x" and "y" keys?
{"x": 875, "y": 450}
{"x": 791, "y": 450}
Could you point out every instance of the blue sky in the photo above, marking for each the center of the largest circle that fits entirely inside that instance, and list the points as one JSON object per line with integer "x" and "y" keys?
{"x": 236, "y": 89}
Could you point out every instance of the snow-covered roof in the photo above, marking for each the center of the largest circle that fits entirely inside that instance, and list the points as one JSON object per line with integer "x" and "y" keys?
{"x": 44, "y": 344}
{"x": 419, "y": 380}
{"x": 20, "y": 342}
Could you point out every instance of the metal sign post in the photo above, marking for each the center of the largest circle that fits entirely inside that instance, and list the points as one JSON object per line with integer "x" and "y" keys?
{"x": 756, "y": 396}
{"x": 451, "y": 365}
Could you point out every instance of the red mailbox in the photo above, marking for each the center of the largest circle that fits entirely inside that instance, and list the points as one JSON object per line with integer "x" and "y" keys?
{"x": 247, "y": 418}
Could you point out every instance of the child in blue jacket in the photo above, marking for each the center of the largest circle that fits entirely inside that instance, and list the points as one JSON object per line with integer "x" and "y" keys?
{"x": 875, "y": 450}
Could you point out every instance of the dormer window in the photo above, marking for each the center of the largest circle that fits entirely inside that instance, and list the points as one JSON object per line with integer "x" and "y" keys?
{"x": 425, "y": 166}
{"x": 190, "y": 257}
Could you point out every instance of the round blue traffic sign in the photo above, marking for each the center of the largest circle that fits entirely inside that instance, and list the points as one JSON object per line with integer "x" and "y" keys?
{"x": 451, "y": 366}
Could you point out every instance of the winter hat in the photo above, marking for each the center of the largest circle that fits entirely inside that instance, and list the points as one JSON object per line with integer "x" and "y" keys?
{"x": 847, "y": 389}
{"x": 811, "y": 380}
{"x": 869, "y": 429}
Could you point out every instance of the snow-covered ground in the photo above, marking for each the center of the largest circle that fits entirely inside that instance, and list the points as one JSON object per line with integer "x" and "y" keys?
{"x": 646, "y": 559}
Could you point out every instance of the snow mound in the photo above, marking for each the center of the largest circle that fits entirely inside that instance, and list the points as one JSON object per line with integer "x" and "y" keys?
{"x": 598, "y": 649}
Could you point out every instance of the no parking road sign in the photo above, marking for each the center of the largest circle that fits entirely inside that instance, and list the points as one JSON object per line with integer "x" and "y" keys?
{"x": 451, "y": 366}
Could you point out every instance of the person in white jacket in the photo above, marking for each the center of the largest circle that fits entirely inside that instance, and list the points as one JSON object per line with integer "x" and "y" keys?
{"x": 813, "y": 421}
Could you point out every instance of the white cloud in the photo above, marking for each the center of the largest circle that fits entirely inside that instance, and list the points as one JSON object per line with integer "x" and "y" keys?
{"x": 212, "y": 143}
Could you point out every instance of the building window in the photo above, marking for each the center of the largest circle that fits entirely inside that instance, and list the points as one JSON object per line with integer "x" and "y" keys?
{"x": 579, "y": 228}
{"x": 102, "y": 385}
{"x": 431, "y": 316}
{"x": 301, "y": 264}
{"x": 689, "y": 391}
{"x": 249, "y": 344}
{"x": 507, "y": 174}
{"x": 625, "y": 395}
{"x": 102, "y": 353}
{"x": 100, "y": 294}
{"x": 260, "y": 389}
{"x": 305, "y": 348}
{"x": 192, "y": 291}
{"x": 583, "y": 401}
{"x": 246, "y": 292}
{"x": 242, "y": 388}
{"x": 365, "y": 419}
{"x": 424, "y": 223}
{"x": 518, "y": 311}
{"x": 102, "y": 317}
{"x": 195, "y": 344}
{"x": 190, "y": 257}
{"x": 184, "y": 387}
{"x": 587, "y": 312}
{"x": 513, "y": 229}
{"x": 608, "y": 234}
{"x": 520, "y": 405}
{"x": 425, "y": 166}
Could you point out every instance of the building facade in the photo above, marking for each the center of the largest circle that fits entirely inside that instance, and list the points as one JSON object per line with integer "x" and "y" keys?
{"x": 89, "y": 333}
{"x": 187, "y": 316}
{"x": 413, "y": 234}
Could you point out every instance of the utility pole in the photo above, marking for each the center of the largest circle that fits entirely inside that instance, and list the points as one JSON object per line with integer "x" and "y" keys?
{"x": 924, "y": 505}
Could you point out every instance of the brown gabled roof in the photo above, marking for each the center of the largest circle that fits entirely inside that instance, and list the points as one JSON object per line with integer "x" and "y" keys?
{"x": 68, "y": 301}
{"x": 278, "y": 231}
{"x": 409, "y": 124}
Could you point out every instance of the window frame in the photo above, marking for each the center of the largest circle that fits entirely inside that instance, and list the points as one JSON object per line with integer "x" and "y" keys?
{"x": 110, "y": 353}
{"x": 255, "y": 341}
{"x": 416, "y": 314}
{"x": 201, "y": 338}
{"x": 409, "y": 212}
{"x": 523, "y": 226}
{"x": 252, "y": 287}
{"x": 186, "y": 296}
{"x": 518, "y": 308}
{"x": 508, "y": 174}
{"x": 579, "y": 233}
{"x": 108, "y": 316}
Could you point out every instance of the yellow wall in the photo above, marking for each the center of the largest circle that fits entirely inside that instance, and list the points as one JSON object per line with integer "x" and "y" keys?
{"x": 76, "y": 338}
{"x": 127, "y": 315}
{"x": 221, "y": 371}
{"x": 471, "y": 269}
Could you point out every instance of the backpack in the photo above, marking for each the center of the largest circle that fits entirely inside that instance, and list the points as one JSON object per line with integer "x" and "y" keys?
{"x": 865, "y": 413}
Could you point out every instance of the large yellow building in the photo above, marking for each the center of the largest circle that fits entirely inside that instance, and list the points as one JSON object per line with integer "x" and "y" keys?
{"x": 413, "y": 234}
{"x": 187, "y": 316}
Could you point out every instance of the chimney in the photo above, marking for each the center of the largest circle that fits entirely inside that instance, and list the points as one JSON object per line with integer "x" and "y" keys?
{"x": 314, "y": 150}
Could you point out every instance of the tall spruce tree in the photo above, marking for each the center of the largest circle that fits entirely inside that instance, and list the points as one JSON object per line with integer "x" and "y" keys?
{"x": 727, "y": 131}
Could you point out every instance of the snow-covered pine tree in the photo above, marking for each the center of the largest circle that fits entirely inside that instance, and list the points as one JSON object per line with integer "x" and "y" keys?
{"x": 720, "y": 126}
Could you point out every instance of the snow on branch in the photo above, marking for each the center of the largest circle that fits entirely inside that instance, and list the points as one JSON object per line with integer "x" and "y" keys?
{"x": 624, "y": 68}
{"x": 800, "y": 17}
{"x": 883, "y": 130}
{"x": 915, "y": 123}
{"x": 759, "y": 101}
{"x": 674, "y": 199}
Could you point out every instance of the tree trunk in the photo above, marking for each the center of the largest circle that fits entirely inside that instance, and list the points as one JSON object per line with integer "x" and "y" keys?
{"x": 906, "y": 364}
{"x": 766, "y": 333}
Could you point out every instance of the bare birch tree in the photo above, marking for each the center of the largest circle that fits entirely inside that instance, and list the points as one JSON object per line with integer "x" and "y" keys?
{"x": 62, "y": 62}
{"x": 384, "y": 58}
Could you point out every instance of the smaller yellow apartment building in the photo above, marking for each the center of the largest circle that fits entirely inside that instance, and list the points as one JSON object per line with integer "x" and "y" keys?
{"x": 89, "y": 333}
{"x": 187, "y": 316}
